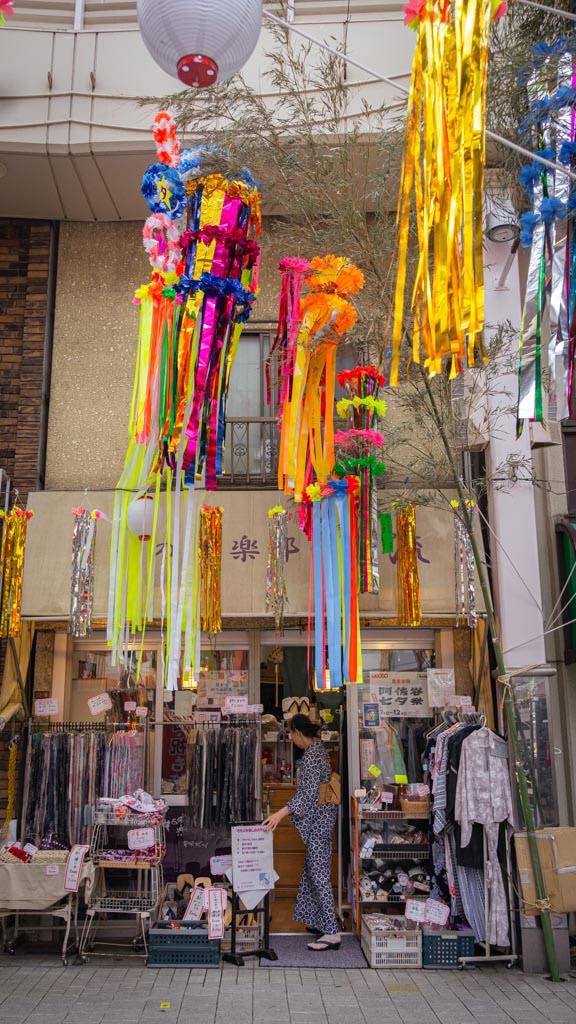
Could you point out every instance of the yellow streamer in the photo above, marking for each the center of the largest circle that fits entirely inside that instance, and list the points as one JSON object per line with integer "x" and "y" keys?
{"x": 408, "y": 580}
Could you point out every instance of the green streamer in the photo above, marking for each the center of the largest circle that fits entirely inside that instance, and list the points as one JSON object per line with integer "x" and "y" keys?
{"x": 386, "y": 533}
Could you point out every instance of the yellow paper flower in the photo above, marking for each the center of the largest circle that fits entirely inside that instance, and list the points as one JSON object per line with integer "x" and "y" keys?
{"x": 313, "y": 492}
{"x": 275, "y": 510}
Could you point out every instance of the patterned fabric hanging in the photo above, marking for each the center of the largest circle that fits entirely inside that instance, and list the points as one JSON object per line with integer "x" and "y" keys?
{"x": 192, "y": 312}
{"x": 359, "y": 451}
{"x": 335, "y": 568}
{"x": 12, "y": 552}
{"x": 466, "y": 614}
{"x": 82, "y": 582}
{"x": 276, "y": 593}
{"x": 547, "y": 356}
{"x": 310, "y": 328}
{"x": 443, "y": 171}
{"x": 408, "y": 579}
{"x": 210, "y": 565}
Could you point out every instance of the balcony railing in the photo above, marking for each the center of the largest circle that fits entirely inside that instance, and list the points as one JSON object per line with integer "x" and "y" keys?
{"x": 251, "y": 452}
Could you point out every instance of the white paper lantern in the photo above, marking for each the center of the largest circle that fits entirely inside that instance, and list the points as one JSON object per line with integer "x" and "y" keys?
{"x": 140, "y": 516}
{"x": 200, "y": 41}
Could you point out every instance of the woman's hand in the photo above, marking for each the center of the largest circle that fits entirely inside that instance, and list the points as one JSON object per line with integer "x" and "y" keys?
{"x": 275, "y": 819}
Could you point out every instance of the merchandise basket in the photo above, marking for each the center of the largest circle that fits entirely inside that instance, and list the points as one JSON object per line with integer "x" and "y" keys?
{"x": 108, "y": 817}
{"x": 185, "y": 946}
{"x": 415, "y": 808}
{"x": 393, "y": 949}
{"x": 441, "y": 950}
{"x": 144, "y": 898}
{"x": 114, "y": 835}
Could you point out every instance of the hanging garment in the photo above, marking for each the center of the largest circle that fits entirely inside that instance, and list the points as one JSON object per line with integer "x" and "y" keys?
{"x": 483, "y": 795}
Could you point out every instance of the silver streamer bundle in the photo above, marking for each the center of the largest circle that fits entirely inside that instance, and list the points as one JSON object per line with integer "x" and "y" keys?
{"x": 276, "y": 593}
{"x": 466, "y": 614}
{"x": 82, "y": 584}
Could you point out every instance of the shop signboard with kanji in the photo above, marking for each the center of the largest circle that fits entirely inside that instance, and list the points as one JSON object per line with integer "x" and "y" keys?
{"x": 400, "y": 694}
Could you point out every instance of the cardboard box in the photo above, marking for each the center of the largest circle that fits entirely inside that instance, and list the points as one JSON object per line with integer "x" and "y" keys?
{"x": 557, "y": 850}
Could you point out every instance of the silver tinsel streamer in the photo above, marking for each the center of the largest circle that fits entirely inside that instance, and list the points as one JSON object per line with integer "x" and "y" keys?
{"x": 82, "y": 585}
{"x": 466, "y": 613}
{"x": 276, "y": 593}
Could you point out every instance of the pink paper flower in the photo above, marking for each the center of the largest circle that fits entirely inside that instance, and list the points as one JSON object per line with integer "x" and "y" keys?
{"x": 413, "y": 11}
{"x": 6, "y": 10}
{"x": 501, "y": 10}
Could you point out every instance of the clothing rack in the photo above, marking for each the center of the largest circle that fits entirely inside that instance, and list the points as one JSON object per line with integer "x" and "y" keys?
{"x": 212, "y": 778}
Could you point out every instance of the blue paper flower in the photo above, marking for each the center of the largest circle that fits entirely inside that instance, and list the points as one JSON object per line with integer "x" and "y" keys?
{"x": 246, "y": 175}
{"x": 566, "y": 152}
{"x": 164, "y": 191}
{"x": 551, "y": 208}
{"x": 528, "y": 222}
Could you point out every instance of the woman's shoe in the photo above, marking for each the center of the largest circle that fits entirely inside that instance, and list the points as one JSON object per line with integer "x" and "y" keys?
{"x": 323, "y": 945}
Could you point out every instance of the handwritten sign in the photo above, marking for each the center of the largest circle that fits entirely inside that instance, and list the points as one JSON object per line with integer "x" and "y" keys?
{"x": 74, "y": 867}
{"x": 235, "y": 705}
{"x": 99, "y": 704}
{"x": 441, "y": 687}
{"x": 415, "y": 911}
{"x": 401, "y": 694}
{"x": 196, "y": 905}
{"x": 436, "y": 912}
{"x": 45, "y": 706}
{"x": 217, "y": 900}
{"x": 140, "y": 838}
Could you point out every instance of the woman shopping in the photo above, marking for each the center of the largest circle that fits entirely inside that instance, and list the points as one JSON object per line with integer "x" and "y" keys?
{"x": 315, "y": 821}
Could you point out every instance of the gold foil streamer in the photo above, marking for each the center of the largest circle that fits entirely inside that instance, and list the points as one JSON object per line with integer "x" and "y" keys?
{"x": 210, "y": 557}
{"x": 407, "y": 577}
{"x": 443, "y": 172}
{"x": 82, "y": 582}
{"x": 276, "y": 593}
{"x": 11, "y": 569}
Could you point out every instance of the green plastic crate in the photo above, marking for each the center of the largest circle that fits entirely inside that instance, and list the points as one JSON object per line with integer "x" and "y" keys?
{"x": 442, "y": 950}
{"x": 186, "y": 946}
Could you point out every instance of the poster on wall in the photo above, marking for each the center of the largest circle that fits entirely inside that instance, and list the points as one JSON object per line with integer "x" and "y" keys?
{"x": 252, "y": 859}
{"x": 214, "y": 686}
{"x": 400, "y": 694}
{"x": 441, "y": 687}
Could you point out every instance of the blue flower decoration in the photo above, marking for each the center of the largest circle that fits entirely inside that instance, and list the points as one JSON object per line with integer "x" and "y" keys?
{"x": 164, "y": 191}
{"x": 528, "y": 222}
{"x": 566, "y": 152}
{"x": 246, "y": 175}
{"x": 552, "y": 208}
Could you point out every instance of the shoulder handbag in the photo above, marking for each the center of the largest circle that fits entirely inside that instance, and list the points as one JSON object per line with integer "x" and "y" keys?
{"x": 330, "y": 792}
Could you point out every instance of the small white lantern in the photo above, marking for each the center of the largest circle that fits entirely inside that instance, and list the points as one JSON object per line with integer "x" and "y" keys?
{"x": 140, "y": 516}
{"x": 200, "y": 41}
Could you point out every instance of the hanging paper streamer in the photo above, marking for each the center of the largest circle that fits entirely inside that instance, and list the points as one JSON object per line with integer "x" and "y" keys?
{"x": 11, "y": 788}
{"x": 82, "y": 583}
{"x": 210, "y": 558}
{"x": 335, "y": 575}
{"x": 466, "y": 614}
{"x": 386, "y": 533}
{"x": 359, "y": 452}
{"x": 443, "y": 169}
{"x": 276, "y": 593}
{"x": 192, "y": 312}
{"x": 310, "y": 328}
{"x": 548, "y": 345}
{"x": 408, "y": 580}
{"x": 11, "y": 569}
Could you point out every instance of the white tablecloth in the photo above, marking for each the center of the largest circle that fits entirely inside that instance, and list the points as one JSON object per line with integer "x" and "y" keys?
{"x": 28, "y": 887}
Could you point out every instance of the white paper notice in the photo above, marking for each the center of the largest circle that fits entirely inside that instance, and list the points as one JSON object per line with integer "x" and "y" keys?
{"x": 436, "y": 912}
{"x": 196, "y": 905}
{"x": 415, "y": 910}
{"x": 235, "y": 705}
{"x": 140, "y": 838}
{"x": 141, "y": 712}
{"x": 74, "y": 867}
{"x": 99, "y": 704}
{"x": 129, "y": 705}
{"x": 441, "y": 687}
{"x": 252, "y": 858}
{"x": 217, "y": 900}
{"x": 52, "y": 869}
{"x": 45, "y": 706}
{"x": 220, "y": 865}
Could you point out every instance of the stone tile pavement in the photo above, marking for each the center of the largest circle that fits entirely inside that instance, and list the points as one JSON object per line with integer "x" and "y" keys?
{"x": 38, "y": 990}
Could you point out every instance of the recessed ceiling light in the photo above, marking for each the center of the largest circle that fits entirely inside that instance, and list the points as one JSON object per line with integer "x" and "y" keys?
{"x": 3, "y": 170}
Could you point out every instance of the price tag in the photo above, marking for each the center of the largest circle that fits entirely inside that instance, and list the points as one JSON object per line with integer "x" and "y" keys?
{"x": 436, "y": 912}
{"x": 129, "y": 705}
{"x": 45, "y": 706}
{"x": 220, "y": 865}
{"x": 387, "y": 797}
{"x": 141, "y": 712}
{"x": 74, "y": 867}
{"x": 217, "y": 900}
{"x": 374, "y": 771}
{"x": 235, "y": 705}
{"x": 140, "y": 838}
{"x": 255, "y": 709}
{"x": 207, "y": 717}
{"x": 196, "y": 905}
{"x": 52, "y": 869}
{"x": 415, "y": 911}
{"x": 99, "y": 704}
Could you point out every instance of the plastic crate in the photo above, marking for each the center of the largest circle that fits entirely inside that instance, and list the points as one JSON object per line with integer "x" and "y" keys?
{"x": 392, "y": 950}
{"x": 442, "y": 950}
{"x": 186, "y": 946}
{"x": 189, "y": 933}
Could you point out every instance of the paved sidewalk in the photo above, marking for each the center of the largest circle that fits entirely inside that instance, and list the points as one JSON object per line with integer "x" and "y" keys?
{"x": 35, "y": 990}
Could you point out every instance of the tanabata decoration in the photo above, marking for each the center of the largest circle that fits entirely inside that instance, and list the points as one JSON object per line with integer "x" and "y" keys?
{"x": 6, "y": 10}
{"x": 407, "y": 576}
{"x": 359, "y": 452}
{"x": 192, "y": 311}
{"x": 10, "y": 788}
{"x": 276, "y": 593}
{"x": 310, "y": 327}
{"x": 15, "y": 524}
{"x": 386, "y": 533}
{"x": 82, "y": 582}
{"x": 335, "y": 582}
{"x": 466, "y": 613}
{"x": 210, "y": 557}
{"x": 443, "y": 169}
{"x": 546, "y": 366}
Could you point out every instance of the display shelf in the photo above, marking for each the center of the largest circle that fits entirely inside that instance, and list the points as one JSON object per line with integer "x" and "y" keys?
{"x": 372, "y": 815}
{"x": 399, "y": 851}
{"x": 396, "y": 898}
{"x": 139, "y": 865}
